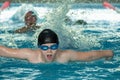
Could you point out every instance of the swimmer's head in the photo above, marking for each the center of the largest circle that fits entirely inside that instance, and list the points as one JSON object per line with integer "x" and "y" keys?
{"x": 30, "y": 18}
{"x": 47, "y": 36}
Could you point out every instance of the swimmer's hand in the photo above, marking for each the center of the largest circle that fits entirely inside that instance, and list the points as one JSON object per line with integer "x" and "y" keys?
{"x": 109, "y": 55}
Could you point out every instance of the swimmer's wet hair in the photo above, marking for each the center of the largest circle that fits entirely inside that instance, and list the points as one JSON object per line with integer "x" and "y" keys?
{"x": 47, "y": 36}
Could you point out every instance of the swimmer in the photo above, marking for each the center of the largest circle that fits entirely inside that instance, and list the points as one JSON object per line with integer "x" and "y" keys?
{"x": 48, "y": 51}
{"x": 30, "y": 22}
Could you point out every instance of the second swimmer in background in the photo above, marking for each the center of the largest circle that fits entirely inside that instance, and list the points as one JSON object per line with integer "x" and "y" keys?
{"x": 30, "y": 23}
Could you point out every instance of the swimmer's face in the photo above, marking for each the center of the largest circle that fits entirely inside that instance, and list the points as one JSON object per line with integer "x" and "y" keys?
{"x": 49, "y": 51}
{"x": 30, "y": 20}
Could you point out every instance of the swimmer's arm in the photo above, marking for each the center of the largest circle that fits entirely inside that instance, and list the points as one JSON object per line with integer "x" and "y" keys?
{"x": 14, "y": 53}
{"x": 21, "y": 30}
{"x": 91, "y": 55}
{"x": 25, "y": 29}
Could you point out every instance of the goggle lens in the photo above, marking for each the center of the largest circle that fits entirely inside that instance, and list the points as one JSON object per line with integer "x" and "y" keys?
{"x": 52, "y": 47}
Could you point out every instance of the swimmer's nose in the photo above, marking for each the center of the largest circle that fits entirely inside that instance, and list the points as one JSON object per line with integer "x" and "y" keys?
{"x": 49, "y": 50}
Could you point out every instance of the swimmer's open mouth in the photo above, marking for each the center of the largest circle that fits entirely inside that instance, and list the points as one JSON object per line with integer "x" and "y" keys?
{"x": 49, "y": 57}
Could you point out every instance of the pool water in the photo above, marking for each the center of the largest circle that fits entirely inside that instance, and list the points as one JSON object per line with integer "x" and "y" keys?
{"x": 101, "y": 32}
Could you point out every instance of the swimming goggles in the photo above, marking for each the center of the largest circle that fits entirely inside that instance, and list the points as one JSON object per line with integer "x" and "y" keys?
{"x": 52, "y": 47}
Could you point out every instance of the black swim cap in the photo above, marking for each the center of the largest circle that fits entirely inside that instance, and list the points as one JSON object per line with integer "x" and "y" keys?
{"x": 47, "y": 36}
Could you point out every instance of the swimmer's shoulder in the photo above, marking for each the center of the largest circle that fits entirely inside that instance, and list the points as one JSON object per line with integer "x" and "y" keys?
{"x": 29, "y": 50}
{"x": 30, "y": 53}
{"x": 63, "y": 56}
{"x": 66, "y": 53}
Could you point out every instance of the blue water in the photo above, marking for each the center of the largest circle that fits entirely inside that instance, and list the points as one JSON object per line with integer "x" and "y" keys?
{"x": 102, "y": 32}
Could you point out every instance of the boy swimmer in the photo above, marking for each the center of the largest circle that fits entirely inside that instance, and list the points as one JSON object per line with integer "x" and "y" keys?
{"x": 48, "y": 51}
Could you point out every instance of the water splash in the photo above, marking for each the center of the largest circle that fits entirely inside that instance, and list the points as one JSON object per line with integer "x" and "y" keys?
{"x": 22, "y": 10}
{"x": 70, "y": 37}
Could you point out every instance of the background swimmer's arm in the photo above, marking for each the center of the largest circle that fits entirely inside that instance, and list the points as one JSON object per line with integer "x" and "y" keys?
{"x": 91, "y": 55}
{"x": 14, "y": 53}
{"x": 21, "y": 30}
{"x": 25, "y": 29}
